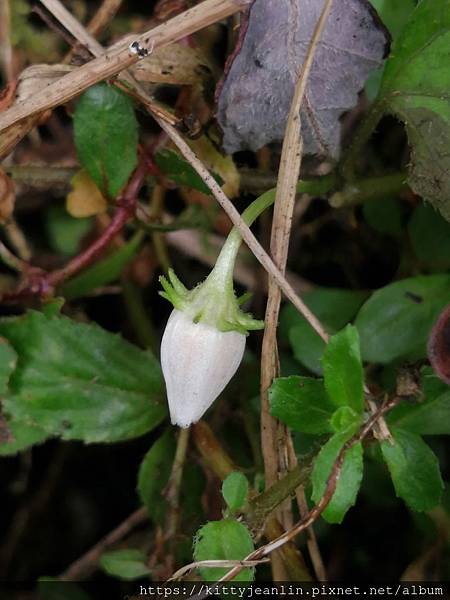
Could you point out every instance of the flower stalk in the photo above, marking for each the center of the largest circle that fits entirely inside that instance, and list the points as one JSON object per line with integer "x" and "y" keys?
{"x": 204, "y": 340}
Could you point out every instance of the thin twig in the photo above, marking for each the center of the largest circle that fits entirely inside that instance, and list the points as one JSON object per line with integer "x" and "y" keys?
{"x": 172, "y": 492}
{"x": 87, "y": 563}
{"x": 215, "y": 563}
{"x": 119, "y": 57}
{"x": 275, "y": 435}
{"x": 101, "y": 19}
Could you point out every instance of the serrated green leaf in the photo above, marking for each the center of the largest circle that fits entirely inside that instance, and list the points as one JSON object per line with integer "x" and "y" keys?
{"x": 154, "y": 473}
{"x": 235, "y": 490}
{"x": 349, "y": 480}
{"x": 15, "y": 435}
{"x": 302, "y": 403}
{"x": 180, "y": 171}
{"x": 223, "y": 540}
{"x": 125, "y": 564}
{"x": 414, "y": 470}
{"x": 334, "y": 307}
{"x": 106, "y": 137}
{"x": 428, "y": 414}
{"x": 79, "y": 381}
{"x": 396, "y": 320}
{"x": 416, "y": 88}
{"x": 102, "y": 272}
{"x": 430, "y": 237}
{"x": 342, "y": 369}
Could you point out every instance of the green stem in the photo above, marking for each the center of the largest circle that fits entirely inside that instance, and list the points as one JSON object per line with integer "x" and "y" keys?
{"x": 225, "y": 262}
{"x": 370, "y": 188}
{"x": 360, "y": 139}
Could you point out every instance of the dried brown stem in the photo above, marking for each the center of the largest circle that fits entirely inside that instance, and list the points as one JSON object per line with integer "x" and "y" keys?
{"x": 119, "y": 57}
{"x": 275, "y": 435}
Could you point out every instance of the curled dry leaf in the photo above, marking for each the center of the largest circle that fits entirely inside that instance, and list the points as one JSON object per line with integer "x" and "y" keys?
{"x": 85, "y": 200}
{"x": 7, "y": 197}
{"x": 256, "y": 94}
{"x": 31, "y": 80}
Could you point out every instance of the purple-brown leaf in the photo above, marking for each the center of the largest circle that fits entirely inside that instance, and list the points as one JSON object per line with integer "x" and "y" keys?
{"x": 256, "y": 94}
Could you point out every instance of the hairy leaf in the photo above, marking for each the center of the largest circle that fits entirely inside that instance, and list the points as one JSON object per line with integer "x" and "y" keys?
{"x": 342, "y": 369}
{"x": 349, "y": 480}
{"x": 414, "y": 470}
{"x": 334, "y": 307}
{"x": 257, "y": 92}
{"x": 80, "y": 382}
{"x": 396, "y": 320}
{"x": 302, "y": 403}
{"x": 235, "y": 490}
{"x": 223, "y": 540}
{"x": 416, "y": 88}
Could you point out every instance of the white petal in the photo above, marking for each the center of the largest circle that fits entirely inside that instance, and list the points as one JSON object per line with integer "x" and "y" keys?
{"x": 197, "y": 361}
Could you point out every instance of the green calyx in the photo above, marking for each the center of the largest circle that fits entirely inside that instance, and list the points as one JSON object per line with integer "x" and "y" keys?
{"x": 210, "y": 303}
{"x": 214, "y": 301}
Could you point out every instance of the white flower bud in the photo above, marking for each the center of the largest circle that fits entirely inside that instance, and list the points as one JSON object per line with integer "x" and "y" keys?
{"x": 197, "y": 361}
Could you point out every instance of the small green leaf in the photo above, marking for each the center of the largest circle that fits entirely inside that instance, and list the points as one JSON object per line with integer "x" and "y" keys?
{"x": 428, "y": 414}
{"x": 342, "y": 368}
{"x": 102, "y": 272}
{"x": 430, "y": 237}
{"x": 64, "y": 232}
{"x": 235, "y": 490}
{"x": 396, "y": 320}
{"x": 414, "y": 470}
{"x": 154, "y": 474}
{"x": 302, "y": 403}
{"x": 334, "y": 307}
{"x": 223, "y": 540}
{"x": 125, "y": 564}
{"x": 181, "y": 172}
{"x": 79, "y": 381}
{"x": 349, "y": 480}
{"x": 106, "y": 137}
{"x": 345, "y": 418}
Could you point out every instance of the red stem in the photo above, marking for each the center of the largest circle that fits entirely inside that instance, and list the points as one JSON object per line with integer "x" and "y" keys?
{"x": 41, "y": 283}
